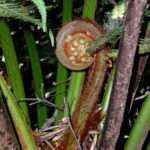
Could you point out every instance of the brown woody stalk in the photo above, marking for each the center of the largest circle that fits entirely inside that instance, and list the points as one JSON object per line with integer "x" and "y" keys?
{"x": 125, "y": 61}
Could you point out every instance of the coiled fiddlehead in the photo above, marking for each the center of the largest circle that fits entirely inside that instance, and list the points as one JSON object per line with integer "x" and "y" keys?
{"x": 73, "y": 40}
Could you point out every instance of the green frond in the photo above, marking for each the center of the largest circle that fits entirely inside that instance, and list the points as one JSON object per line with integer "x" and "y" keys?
{"x": 42, "y": 10}
{"x": 14, "y": 9}
{"x": 101, "y": 40}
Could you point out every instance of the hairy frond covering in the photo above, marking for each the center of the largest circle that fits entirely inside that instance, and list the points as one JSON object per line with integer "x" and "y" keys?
{"x": 14, "y": 9}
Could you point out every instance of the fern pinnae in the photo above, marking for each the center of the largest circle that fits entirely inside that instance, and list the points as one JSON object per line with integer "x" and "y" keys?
{"x": 16, "y": 10}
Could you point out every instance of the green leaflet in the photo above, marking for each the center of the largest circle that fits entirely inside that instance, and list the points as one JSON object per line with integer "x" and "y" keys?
{"x": 16, "y": 10}
{"x": 42, "y": 10}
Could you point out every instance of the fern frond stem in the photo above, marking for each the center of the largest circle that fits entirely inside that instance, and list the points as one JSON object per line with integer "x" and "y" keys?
{"x": 140, "y": 127}
{"x": 108, "y": 90}
{"x": 21, "y": 126}
{"x": 12, "y": 65}
{"x": 89, "y": 9}
{"x": 37, "y": 75}
{"x": 75, "y": 87}
{"x": 62, "y": 72}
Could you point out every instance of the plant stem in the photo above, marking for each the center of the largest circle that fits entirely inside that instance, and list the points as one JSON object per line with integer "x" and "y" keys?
{"x": 108, "y": 90}
{"x": 75, "y": 87}
{"x": 22, "y": 129}
{"x": 89, "y": 9}
{"x": 37, "y": 75}
{"x": 62, "y": 72}
{"x": 67, "y": 10}
{"x": 124, "y": 67}
{"x": 12, "y": 64}
{"x": 140, "y": 127}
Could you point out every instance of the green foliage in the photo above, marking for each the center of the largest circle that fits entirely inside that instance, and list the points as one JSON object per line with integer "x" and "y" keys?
{"x": 12, "y": 65}
{"x": 42, "y": 10}
{"x": 110, "y": 38}
{"x": 37, "y": 75}
{"x": 75, "y": 88}
{"x": 140, "y": 128}
{"x": 20, "y": 124}
{"x": 16, "y": 10}
{"x": 89, "y": 9}
{"x": 108, "y": 89}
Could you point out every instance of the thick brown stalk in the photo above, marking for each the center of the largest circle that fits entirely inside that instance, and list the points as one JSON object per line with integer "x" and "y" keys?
{"x": 83, "y": 115}
{"x": 127, "y": 52}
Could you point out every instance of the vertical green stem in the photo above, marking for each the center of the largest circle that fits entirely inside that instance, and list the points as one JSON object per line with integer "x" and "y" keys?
{"x": 108, "y": 89}
{"x": 140, "y": 128}
{"x": 37, "y": 75}
{"x": 89, "y": 9}
{"x": 75, "y": 87}
{"x": 22, "y": 129}
{"x": 67, "y": 10}
{"x": 62, "y": 72}
{"x": 12, "y": 63}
